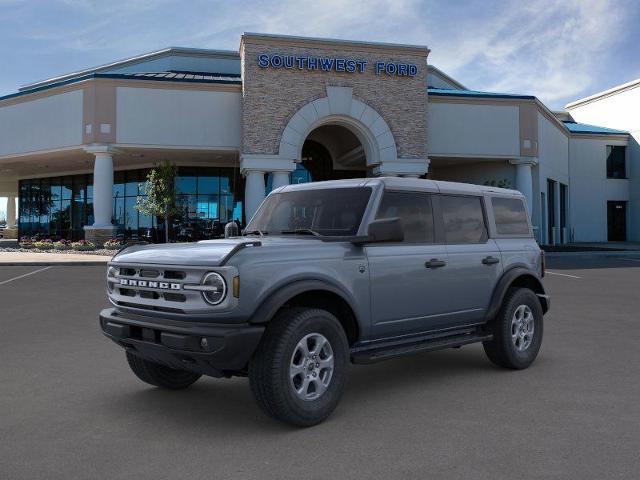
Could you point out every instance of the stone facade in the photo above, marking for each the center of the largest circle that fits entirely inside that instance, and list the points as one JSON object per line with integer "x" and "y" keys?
{"x": 271, "y": 96}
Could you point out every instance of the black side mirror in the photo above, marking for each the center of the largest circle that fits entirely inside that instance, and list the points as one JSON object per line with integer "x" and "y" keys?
{"x": 386, "y": 230}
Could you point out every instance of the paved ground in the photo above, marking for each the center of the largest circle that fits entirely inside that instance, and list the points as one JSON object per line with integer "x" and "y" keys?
{"x": 70, "y": 409}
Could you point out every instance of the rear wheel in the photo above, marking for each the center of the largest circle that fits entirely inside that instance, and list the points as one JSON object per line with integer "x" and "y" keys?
{"x": 298, "y": 373}
{"x": 517, "y": 330}
{"x": 160, "y": 375}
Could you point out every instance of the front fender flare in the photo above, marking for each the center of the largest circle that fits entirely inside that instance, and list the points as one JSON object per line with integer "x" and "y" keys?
{"x": 278, "y": 297}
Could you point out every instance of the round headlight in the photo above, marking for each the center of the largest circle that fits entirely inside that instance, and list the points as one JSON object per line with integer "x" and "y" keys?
{"x": 216, "y": 288}
{"x": 111, "y": 278}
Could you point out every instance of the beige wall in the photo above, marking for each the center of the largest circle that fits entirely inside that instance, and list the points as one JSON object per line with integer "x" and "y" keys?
{"x": 49, "y": 122}
{"x": 271, "y": 96}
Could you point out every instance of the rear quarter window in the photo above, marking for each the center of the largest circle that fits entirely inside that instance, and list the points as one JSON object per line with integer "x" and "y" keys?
{"x": 510, "y": 216}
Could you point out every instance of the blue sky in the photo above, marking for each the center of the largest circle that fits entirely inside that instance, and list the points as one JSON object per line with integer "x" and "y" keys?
{"x": 557, "y": 50}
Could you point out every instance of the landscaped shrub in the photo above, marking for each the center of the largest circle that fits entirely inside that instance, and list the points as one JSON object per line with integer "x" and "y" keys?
{"x": 62, "y": 245}
{"x": 114, "y": 244}
{"x": 46, "y": 244}
{"x": 26, "y": 242}
{"x": 83, "y": 245}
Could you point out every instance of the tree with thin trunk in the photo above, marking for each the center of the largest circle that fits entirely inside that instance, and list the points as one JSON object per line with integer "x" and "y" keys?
{"x": 161, "y": 196}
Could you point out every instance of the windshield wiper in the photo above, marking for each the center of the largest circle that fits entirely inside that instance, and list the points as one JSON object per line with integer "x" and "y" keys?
{"x": 255, "y": 232}
{"x": 301, "y": 231}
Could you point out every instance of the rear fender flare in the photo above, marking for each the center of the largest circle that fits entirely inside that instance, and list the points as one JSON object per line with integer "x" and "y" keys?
{"x": 506, "y": 281}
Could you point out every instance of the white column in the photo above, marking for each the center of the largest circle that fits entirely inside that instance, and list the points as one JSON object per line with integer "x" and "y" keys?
{"x": 524, "y": 179}
{"x": 253, "y": 192}
{"x": 280, "y": 179}
{"x": 11, "y": 212}
{"x": 103, "y": 190}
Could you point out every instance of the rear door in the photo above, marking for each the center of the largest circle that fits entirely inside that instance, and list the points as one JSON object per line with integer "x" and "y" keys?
{"x": 408, "y": 288}
{"x": 475, "y": 264}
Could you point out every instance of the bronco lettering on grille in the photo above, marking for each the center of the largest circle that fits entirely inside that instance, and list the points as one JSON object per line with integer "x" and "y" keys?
{"x": 147, "y": 284}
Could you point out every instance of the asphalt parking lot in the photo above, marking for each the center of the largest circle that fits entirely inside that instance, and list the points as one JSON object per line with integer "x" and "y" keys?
{"x": 71, "y": 409}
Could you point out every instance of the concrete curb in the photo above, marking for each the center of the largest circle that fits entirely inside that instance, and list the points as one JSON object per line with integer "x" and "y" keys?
{"x": 54, "y": 264}
{"x": 595, "y": 253}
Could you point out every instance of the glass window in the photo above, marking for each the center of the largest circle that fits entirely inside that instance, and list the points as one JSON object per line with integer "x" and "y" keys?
{"x": 414, "y": 210}
{"x": 131, "y": 184}
{"x": 186, "y": 184}
{"x": 510, "y": 216}
{"x": 616, "y": 165}
{"x": 207, "y": 185}
{"x": 330, "y": 211}
{"x": 118, "y": 184}
{"x": 463, "y": 219}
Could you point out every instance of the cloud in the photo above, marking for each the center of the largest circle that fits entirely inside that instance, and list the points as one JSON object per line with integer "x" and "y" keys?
{"x": 557, "y": 50}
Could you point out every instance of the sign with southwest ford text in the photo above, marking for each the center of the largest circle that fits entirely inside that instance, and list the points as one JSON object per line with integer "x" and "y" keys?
{"x": 335, "y": 64}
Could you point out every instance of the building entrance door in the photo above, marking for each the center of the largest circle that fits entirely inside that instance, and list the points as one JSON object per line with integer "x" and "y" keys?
{"x": 617, "y": 221}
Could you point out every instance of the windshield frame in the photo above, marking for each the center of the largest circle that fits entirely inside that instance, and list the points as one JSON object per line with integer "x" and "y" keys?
{"x": 305, "y": 232}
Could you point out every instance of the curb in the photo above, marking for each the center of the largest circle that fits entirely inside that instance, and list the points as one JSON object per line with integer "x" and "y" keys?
{"x": 54, "y": 264}
{"x": 595, "y": 253}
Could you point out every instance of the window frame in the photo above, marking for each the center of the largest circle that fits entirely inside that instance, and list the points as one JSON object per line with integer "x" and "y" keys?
{"x": 485, "y": 218}
{"x": 437, "y": 237}
{"x": 494, "y": 225}
{"x": 625, "y": 159}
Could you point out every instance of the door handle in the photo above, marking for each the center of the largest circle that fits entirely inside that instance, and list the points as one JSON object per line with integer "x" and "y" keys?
{"x": 490, "y": 260}
{"x": 435, "y": 263}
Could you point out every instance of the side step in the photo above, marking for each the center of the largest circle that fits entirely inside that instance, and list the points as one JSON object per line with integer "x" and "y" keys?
{"x": 377, "y": 354}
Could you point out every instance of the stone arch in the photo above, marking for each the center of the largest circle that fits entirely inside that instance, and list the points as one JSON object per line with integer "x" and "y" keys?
{"x": 340, "y": 108}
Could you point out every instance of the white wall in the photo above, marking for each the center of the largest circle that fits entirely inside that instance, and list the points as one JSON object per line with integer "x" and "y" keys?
{"x": 465, "y": 129}
{"x": 553, "y": 163}
{"x": 590, "y": 189}
{"x": 190, "y": 118}
{"x": 42, "y": 124}
{"x": 620, "y": 111}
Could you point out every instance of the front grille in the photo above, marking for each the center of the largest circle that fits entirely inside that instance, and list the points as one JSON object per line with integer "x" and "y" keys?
{"x": 157, "y": 288}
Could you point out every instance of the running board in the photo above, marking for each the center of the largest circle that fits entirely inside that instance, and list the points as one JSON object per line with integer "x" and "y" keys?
{"x": 378, "y": 354}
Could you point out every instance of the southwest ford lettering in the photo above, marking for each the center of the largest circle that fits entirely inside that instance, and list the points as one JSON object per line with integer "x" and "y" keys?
{"x": 150, "y": 284}
{"x": 330, "y": 64}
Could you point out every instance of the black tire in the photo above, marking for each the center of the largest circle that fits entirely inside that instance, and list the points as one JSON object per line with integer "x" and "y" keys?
{"x": 501, "y": 349}
{"x": 269, "y": 368}
{"x": 160, "y": 375}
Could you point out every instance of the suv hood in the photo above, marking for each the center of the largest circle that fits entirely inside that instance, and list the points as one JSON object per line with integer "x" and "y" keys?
{"x": 207, "y": 252}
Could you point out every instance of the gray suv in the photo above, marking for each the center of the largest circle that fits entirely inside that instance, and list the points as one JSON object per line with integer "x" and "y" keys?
{"x": 330, "y": 273}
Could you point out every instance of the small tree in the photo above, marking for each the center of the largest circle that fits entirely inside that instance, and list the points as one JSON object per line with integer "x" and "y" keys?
{"x": 161, "y": 198}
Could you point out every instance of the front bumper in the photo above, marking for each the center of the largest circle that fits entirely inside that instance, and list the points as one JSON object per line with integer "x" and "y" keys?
{"x": 211, "y": 349}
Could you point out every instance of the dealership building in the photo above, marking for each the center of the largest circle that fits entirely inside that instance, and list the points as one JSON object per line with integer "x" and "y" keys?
{"x": 75, "y": 149}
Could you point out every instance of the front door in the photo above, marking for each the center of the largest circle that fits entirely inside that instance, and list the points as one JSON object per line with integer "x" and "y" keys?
{"x": 408, "y": 289}
{"x": 617, "y": 221}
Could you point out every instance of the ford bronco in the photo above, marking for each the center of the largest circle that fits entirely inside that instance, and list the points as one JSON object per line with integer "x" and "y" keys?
{"x": 331, "y": 273}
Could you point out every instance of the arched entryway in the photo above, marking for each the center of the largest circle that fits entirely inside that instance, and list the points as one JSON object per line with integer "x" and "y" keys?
{"x": 332, "y": 152}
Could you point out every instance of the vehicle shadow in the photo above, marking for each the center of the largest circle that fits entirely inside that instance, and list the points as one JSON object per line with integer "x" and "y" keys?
{"x": 228, "y": 405}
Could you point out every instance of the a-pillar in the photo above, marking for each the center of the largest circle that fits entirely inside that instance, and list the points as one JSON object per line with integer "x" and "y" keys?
{"x": 254, "y": 167}
{"x": 524, "y": 178}
{"x": 102, "y": 228}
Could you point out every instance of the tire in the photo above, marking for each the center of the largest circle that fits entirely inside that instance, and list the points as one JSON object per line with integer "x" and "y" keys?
{"x": 516, "y": 351}
{"x": 160, "y": 375}
{"x": 281, "y": 353}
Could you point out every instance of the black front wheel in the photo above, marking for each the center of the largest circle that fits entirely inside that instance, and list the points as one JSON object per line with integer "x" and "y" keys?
{"x": 160, "y": 375}
{"x": 298, "y": 373}
{"x": 517, "y": 330}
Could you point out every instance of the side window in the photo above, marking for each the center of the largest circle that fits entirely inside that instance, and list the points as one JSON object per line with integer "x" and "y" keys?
{"x": 463, "y": 219}
{"x": 414, "y": 209}
{"x": 510, "y": 216}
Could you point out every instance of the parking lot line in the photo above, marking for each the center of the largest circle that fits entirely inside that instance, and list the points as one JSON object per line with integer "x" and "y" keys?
{"x": 562, "y": 274}
{"x": 25, "y": 275}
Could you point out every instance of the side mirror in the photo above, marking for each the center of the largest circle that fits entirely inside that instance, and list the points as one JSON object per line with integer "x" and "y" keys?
{"x": 386, "y": 230}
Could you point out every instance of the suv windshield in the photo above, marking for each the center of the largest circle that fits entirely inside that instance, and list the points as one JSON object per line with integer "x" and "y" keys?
{"x": 325, "y": 212}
